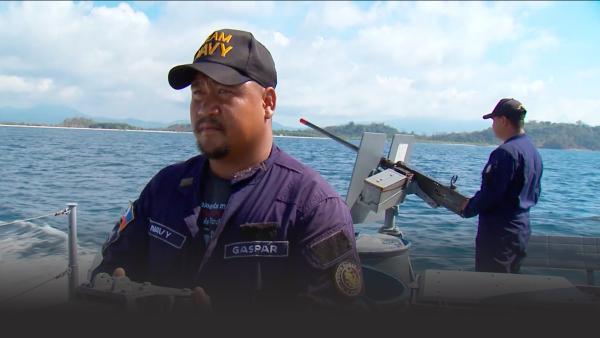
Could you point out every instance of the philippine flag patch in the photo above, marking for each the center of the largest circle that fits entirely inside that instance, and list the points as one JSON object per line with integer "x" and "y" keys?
{"x": 127, "y": 217}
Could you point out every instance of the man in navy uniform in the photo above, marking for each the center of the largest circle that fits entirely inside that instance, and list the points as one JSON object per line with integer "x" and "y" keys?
{"x": 510, "y": 186}
{"x": 243, "y": 223}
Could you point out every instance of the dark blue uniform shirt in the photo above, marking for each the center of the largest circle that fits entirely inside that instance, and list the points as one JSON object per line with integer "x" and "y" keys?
{"x": 510, "y": 186}
{"x": 285, "y": 237}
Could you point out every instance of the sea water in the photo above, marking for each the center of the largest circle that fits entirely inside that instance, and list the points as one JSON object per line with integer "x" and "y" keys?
{"x": 42, "y": 169}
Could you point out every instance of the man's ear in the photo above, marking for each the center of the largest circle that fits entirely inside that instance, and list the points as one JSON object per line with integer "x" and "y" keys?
{"x": 269, "y": 102}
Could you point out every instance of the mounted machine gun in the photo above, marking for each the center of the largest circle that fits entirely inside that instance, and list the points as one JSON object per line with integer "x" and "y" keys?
{"x": 379, "y": 185}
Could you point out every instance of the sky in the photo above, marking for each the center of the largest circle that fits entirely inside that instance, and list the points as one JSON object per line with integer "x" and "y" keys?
{"x": 448, "y": 62}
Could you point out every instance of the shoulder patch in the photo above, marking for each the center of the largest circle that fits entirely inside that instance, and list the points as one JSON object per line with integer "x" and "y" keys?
{"x": 348, "y": 279}
{"x": 326, "y": 251}
{"x": 186, "y": 182}
{"x": 259, "y": 231}
{"x": 166, "y": 234}
{"x": 127, "y": 217}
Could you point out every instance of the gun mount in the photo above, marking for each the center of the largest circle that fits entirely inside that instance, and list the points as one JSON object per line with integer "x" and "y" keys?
{"x": 379, "y": 184}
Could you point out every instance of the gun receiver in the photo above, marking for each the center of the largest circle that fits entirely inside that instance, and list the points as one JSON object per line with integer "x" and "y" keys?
{"x": 428, "y": 189}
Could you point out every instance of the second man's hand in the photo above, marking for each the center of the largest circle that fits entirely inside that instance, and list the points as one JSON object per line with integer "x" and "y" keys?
{"x": 463, "y": 207}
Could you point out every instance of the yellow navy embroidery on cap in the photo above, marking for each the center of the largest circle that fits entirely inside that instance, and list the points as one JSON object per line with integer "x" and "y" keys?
{"x": 348, "y": 279}
{"x": 215, "y": 41}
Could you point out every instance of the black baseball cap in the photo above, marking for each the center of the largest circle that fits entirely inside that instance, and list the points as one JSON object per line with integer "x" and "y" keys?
{"x": 230, "y": 57}
{"x": 510, "y": 108}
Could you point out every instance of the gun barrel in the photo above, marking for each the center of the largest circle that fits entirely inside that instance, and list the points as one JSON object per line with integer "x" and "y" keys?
{"x": 336, "y": 138}
{"x": 384, "y": 162}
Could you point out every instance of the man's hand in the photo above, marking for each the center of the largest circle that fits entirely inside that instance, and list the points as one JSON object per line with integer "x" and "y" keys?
{"x": 118, "y": 272}
{"x": 201, "y": 299}
{"x": 199, "y": 296}
{"x": 463, "y": 206}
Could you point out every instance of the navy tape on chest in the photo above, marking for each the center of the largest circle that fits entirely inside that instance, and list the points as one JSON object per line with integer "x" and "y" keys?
{"x": 166, "y": 234}
{"x": 257, "y": 249}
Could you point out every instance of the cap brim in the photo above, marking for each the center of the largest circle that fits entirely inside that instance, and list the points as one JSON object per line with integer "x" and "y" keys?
{"x": 182, "y": 76}
{"x": 490, "y": 115}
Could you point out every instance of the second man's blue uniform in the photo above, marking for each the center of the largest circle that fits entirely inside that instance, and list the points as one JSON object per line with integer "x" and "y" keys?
{"x": 511, "y": 185}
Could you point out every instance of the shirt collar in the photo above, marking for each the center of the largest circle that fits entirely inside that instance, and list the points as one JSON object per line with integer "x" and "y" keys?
{"x": 257, "y": 170}
{"x": 515, "y": 137}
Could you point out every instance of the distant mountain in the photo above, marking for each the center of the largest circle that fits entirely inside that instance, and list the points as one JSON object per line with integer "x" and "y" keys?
{"x": 56, "y": 114}
{"x": 185, "y": 126}
{"x": 179, "y": 122}
{"x": 350, "y": 130}
{"x": 355, "y": 130}
{"x": 41, "y": 114}
{"x": 544, "y": 135}
{"x": 430, "y": 126}
{"x": 179, "y": 127}
{"x": 279, "y": 126}
{"x": 134, "y": 122}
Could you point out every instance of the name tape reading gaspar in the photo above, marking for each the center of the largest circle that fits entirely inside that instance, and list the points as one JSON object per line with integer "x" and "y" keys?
{"x": 257, "y": 249}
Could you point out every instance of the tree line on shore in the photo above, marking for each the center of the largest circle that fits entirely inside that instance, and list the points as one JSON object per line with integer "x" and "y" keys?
{"x": 544, "y": 134}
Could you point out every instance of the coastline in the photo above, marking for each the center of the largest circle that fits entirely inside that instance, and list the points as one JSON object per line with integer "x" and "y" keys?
{"x": 139, "y": 130}
{"x": 82, "y": 128}
{"x": 417, "y": 140}
{"x": 147, "y": 131}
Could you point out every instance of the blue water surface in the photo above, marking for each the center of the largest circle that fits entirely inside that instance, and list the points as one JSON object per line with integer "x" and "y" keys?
{"x": 41, "y": 169}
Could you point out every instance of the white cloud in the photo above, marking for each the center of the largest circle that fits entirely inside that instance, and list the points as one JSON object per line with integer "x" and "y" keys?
{"x": 18, "y": 84}
{"x": 70, "y": 93}
{"x": 336, "y": 61}
{"x": 524, "y": 87}
{"x": 340, "y": 15}
{"x": 562, "y": 109}
{"x": 588, "y": 74}
{"x": 281, "y": 39}
{"x": 396, "y": 83}
{"x": 318, "y": 42}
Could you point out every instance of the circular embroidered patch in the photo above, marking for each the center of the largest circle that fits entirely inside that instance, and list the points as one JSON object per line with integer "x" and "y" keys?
{"x": 348, "y": 279}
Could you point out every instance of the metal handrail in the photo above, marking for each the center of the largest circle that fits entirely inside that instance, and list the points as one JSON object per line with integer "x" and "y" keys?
{"x": 57, "y": 213}
{"x": 73, "y": 267}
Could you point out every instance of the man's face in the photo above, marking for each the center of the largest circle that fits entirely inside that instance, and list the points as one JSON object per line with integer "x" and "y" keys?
{"x": 499, "y": 124}
{"x": 227, "y": 120}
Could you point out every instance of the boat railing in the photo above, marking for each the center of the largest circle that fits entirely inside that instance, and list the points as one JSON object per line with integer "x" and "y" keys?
{"x": 72, "y": 270}
{"x": 552, "y": 252}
